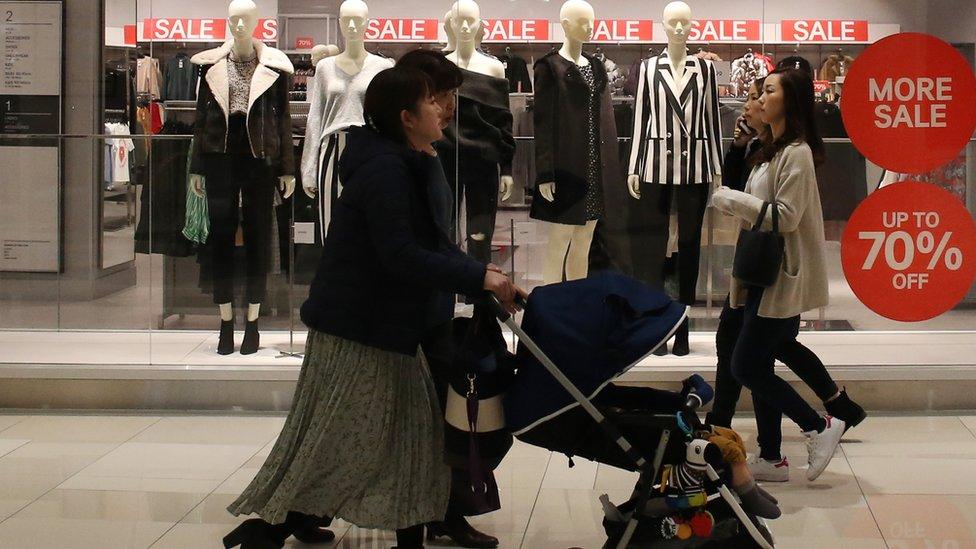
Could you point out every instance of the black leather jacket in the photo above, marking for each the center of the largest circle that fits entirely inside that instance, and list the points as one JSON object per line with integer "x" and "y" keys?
{"x": 269, "y": 117}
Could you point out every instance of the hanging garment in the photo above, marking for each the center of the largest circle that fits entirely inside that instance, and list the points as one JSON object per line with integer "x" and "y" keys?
{"x": 796, "y": 62}
{"x": 746, "y": 70}
{"x": 836, "y": 64}
{"x": 767, "y": 61}
{"x": 336, "y": 103}
{"x": 482, "y": 145}
{"x": 120, "y": 149}
{"x": 517, "y": 73}
{"x": 562, "y": 137}
{"x": 163, "y": 198}
{"x": 148, "y": 77}
{"x": 708, "y": 56}
{"x": 180, "y": 79}
{"x": 677, "y": 129}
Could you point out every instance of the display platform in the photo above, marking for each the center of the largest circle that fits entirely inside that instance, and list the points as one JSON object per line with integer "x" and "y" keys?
{"x": 895, "y": 371}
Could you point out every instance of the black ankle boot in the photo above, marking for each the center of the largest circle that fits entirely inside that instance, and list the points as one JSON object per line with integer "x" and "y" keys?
{"x": 460, "y": 531}
{"x": 225, "y": 345}
{"x": 256, "y": 534}
{"x": 310, "y": 529}
{"x": 681, "y": 346}
{"x": 662, "y": 350}
{"x": 252, "y": 338}
{"x": 846, "y": 409}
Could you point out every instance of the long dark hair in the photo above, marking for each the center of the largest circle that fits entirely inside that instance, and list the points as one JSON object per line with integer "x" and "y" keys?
{"x": 801, "y": 122}
{"x": 391, "y": 92}
{"x": 445, "y": 75}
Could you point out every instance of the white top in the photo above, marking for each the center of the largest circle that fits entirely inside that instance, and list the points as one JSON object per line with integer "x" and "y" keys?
{"x": 336, "y": 102}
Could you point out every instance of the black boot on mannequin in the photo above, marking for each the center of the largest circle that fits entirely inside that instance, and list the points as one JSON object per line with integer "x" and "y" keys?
{"x": 252, "y": 338}
{"x": 681, "y": 346}
{"x": 225, "y": 345}
{"x": 461, "y": 532}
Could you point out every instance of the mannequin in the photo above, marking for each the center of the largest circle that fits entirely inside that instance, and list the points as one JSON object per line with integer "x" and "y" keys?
{"x": 575, "y": 161}
{"x": 321, "y": 51}
{"x": 670, "y": 170}
{"x": 481, "y": 142}
{"x": 336, "y": 103}
{"x": 236, "y": 147}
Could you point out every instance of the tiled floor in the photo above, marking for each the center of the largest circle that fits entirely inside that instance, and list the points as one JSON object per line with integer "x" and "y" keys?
{"x": 164, "y": 482}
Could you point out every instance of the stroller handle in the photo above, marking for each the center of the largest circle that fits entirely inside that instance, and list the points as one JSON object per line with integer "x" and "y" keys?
{"x": 498, "y": 309}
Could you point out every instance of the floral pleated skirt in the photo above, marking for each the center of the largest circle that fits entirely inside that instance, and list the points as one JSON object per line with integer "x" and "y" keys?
{"x": 363, "y": 442}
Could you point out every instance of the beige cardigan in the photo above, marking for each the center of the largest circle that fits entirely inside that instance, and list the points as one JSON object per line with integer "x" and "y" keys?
{"x": 802, "y": 281}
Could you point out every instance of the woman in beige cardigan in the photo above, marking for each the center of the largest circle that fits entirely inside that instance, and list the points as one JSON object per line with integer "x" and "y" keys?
{"x": 783, "y": 174}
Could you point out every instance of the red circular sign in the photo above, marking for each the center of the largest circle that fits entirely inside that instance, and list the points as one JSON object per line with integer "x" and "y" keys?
{"x": 909, "y": 251}
{"x": 909, "y": 103}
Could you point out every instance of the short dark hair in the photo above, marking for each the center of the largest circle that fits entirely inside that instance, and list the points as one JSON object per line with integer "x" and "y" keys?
{"x": 391, "y": 92}
{"x": 445, "y": 75}
{"x": 800, "y": 112}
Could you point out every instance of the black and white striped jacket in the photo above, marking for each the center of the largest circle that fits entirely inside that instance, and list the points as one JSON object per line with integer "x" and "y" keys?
{"x": 677, "y": 130}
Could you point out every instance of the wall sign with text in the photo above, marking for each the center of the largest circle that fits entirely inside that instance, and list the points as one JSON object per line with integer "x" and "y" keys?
{"x": 824, "y": 30}
{"x": 200, "y": 30}
{"x": 403, "y": 30}
{"x": 516, "y": 30}
{"x": 725, "y": 30}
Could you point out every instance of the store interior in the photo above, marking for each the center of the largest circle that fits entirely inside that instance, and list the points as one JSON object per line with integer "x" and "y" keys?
{"x": 130, "y": 288}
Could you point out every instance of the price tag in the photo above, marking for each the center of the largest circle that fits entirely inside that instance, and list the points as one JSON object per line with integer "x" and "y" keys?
{"x": 909, "y": 251}
{"x": 304, "y": 233}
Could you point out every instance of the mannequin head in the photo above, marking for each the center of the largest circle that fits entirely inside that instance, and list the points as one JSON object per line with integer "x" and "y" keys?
{"x": 321, "y": 51}
{"x": 353, "y": 17}
{"x": 466, "y": 21}
{"x": 576, "y": 17}
{"x": 242, "y": 19}
{"x": 677, "y": 22}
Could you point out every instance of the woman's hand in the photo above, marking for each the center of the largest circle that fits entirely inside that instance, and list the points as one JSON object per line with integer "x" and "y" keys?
{"x": 500, "y": 285}
{"x": 742, "y": 133}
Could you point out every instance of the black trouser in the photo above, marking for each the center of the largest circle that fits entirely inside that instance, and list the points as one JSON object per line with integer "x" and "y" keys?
{"x": 649, "y": 234}
{"x": 477, "y": 178}
{"x": 239, "y": 183}
{"x": 752, "y": 362}
{"x": 796, "y": 356}
{"x": 438, "y": 348}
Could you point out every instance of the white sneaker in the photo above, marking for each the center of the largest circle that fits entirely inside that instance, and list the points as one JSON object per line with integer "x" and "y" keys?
{"x": 764, "y": 470}
{"x": 821, "y": 446}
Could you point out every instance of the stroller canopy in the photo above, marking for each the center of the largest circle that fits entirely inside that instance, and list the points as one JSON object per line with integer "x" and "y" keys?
{"x": 594, "y": 330}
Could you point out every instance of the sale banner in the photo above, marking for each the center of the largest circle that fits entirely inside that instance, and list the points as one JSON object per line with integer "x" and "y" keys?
{"x": 402, "y": 30}
{"x": 823, "y": 30}
{"x": 909, "y": 251}
{"x": 516, "y": 30}
{"x": 909, "y": 103}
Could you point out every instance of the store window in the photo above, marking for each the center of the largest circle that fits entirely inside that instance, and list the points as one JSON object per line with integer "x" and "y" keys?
{"x": 562, "y": 158}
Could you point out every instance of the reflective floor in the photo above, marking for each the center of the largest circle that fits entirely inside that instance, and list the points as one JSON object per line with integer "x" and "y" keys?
{"x": 79, "y": 482}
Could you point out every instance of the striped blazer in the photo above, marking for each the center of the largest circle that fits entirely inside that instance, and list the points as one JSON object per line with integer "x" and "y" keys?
{"x": 677, "y": 130}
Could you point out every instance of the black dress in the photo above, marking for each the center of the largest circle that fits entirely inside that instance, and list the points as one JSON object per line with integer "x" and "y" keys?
{"x": 594, "y": 185}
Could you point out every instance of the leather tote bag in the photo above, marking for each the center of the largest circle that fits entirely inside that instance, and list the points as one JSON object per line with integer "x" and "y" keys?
{"x": 759, "y": 253}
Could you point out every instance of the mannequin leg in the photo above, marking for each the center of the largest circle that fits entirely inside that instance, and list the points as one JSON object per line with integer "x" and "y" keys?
{"x": 649, "y": 233}
{"x": 223, "y": 188}
{"x": 226, "y": 311}
{"x": 481, "y": 203}
{"x": 690, "y": 202}
{"x": 560, "y": 237}
{"x": 257, "y": 199}
{"x": 577, "y": 262}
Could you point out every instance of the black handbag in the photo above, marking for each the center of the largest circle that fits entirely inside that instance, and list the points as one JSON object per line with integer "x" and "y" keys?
{"x": 758, "y": 253}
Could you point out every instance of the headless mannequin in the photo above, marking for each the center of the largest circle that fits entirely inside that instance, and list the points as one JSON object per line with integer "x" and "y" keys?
{"x": 242, "y": 19}
{"x": 677, "y": 24}
{"x": 353, "y": 18}
{"x": 568, "y": 251}
{"x": 464, "y": 19}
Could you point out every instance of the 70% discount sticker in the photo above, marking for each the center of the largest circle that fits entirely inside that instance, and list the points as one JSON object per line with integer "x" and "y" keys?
{"x": 909, "y": 251}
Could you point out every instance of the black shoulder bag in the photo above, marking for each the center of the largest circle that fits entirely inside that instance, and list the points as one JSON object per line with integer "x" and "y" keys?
{"x": 758, "y": 253}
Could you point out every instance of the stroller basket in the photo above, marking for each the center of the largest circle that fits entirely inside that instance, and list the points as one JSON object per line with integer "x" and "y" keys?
{"x": 633, "y": 524}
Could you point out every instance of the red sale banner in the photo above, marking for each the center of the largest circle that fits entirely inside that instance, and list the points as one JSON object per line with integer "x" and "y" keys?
{"x": 823, "y": 30}
{"x": 909, "y": 251}
{"x": 724, "y": 30}
{"x": 506, "y": 30}
{"x": 909, "y": 103}
{"x": 623, "y": 30}
{"x": 200, "y": 30}
{"x": 406, "y": 30}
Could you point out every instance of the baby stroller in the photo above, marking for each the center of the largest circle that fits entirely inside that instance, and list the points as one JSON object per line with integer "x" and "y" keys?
{"x": 599, "y": 328}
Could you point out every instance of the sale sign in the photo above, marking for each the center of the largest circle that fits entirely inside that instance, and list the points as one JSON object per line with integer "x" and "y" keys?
{"x": 200, "y": 30}
{"x": 623, "y": 30}
{"x": 403, "y": 30}
{"x": 909, "y": 251}
{"x": 823, "y": 30}
{"x": 724, "y": 30}
{"x": 509, "y": 30}
{"x": 909, "y": 103}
